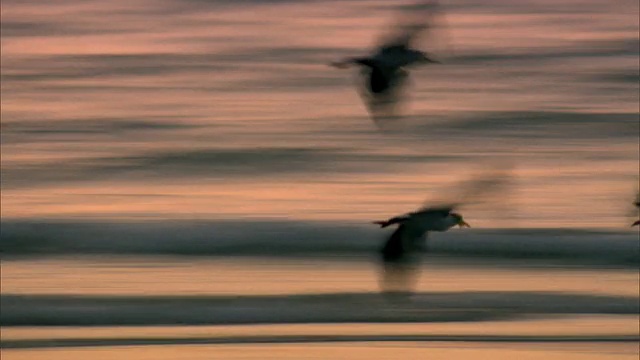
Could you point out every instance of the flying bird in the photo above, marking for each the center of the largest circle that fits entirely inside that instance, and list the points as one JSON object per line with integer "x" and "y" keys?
{"x": 384, "y": 72}
{"x": 637, "y": 204}
{"x": 402, "y": 251}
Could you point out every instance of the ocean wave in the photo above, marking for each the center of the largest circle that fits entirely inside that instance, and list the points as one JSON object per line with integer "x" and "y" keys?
{"x": 211, "y": 162}
{"x": 306, "y": 339}
{"x": 304, "y": 238}
{"x": 533, "y": 125}
{"x": 52, "y": 310}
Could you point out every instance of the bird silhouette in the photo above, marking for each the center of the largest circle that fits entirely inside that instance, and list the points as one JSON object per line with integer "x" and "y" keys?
{"x": 637, "y": 204}
{"x": 384, "y": 72}
{"x": 403, "y": 249}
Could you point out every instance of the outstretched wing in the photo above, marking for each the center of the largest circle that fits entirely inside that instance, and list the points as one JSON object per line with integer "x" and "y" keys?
{"x": 402, "y": 245}
{"x": 413, "y": 21}
{"x": 634, "y": 212}
{"x": 394, "y": 248}
{"x": 437, "y": 210}
{"x": 394, "y": 220}
{"x": 490, "y": 186}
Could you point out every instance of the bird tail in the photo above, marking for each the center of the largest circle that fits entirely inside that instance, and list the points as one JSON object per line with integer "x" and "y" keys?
{"x": 634, "y": 224}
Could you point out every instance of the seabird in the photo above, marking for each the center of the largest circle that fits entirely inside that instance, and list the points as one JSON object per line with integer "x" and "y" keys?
{"x": 384, "y": 72}
{"x": 637, "y": 204}
{"x": 400, "y": 253}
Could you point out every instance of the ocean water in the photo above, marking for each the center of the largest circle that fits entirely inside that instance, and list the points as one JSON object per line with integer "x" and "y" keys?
{"x": 189, "y": 179}
{"x": 141, "y": 307}
{"x": 183, "y": 109}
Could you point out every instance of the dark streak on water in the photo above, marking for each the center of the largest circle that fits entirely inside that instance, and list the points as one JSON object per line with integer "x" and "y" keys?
{"x": 308, "y": 339}
{"x": 51, "y": 310}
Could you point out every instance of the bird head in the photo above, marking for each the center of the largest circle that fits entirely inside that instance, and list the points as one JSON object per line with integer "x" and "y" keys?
{"x": 459, "y": 220}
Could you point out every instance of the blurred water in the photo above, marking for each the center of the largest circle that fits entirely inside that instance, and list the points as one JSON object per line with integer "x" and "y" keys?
{"x": 138, "y": 308}
{"x": 346, "y": 351}
{"x": 295, "y": 239}
{"x": 137, "y": 276}
{"x": 189, "y": 109}
{"x": 147, "y": 117}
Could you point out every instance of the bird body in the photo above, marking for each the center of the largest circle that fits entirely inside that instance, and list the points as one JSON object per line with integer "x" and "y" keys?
{"x": 425, "y": 220}
{"x": 398, "y": 56}
{"x": 400, "y": 252}
{"x": 384, "y": 71}
{"x": 413, "y": 228}
{"x": 386, "y": 67}
{"x": 440, "y": 220}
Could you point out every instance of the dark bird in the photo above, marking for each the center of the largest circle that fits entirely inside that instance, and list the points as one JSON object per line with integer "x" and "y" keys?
{"x": 401, "y": 252}
{"x": 385, "y": 71}
{"x": 637, "y": 204}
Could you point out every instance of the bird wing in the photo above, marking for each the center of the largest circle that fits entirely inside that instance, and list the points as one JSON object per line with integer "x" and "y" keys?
{"x": 394, "y": 220}
{"x": 394, "y": 248}
{"x": 402, "y": 243}
{"x": 385, "y": 105}
{"x": 436, "y": 211}
{"x": 492, "y": 185}
{"x": 632, "y": 212}
{"x": 412, "y": 21}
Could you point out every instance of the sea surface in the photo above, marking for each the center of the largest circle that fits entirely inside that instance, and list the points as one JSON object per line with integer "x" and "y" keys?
{"x": 189, "y": 179}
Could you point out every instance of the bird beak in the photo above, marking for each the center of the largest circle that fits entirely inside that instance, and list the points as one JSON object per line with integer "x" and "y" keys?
{"x": 463, "y": 223}
{"x": 636, "y": 223}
